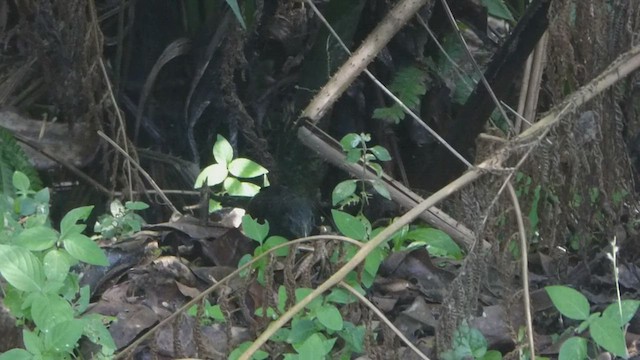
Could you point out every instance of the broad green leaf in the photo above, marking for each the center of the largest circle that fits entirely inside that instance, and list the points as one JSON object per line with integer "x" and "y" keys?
{"x": 343, "y": 191}
{"x": 437, "y": 241}
{"x": 329, "y": 316}
{"x": 116, "y": 208}
{"x": 340, "y": 296}
{"x": 21, "y": 182}
{"x": 235, "y": 187}
{"x": 245, "y": 168}
{"x": 274, "y": 241}
{"x": 371, "y": 266}
{"x": 628, "y": 307}
{"x": 42, "y": 196}
{"x": 282, "y": 298}
{"x": 136, "y": 205}
{"x": 233, "y": 4}
{"x": 569, "y": 302}
{"x": 608, "y": 334}
{"x": 56, "y": 265}
{"x": 377, "y": 168}
{"x": 496, "y": 355}
{"x": 37, "y": 238}
{"x": 349, "y": 225}
{"x": 16, "y": 354}
{"x": 353, "y": 336}
{"x": 64, "y": 336}
{"x": 380, "y": 153}
{"x": 350, "y": 141}
{"x": 95, "y": 330}
{"x": 498, "y": 9}
{"x": 32, "y": 342}
{"x": 213, "y": 174}
{"x": 302, "y": 293}
{"x": 300, "y": 330}
{"x": 222, "y": 151}
{"x": 254, "y": 230}
{"x": 574, "y": 348}
{"x": 381, "y": 189}
{"x": 49, "y": 310}
{"x": 21, "y": 268}
{"x": 82, "y": 248}
{"x": 71, "y": 218}
{"x": 312, "y": 348}
{"x": 353, "y": 156}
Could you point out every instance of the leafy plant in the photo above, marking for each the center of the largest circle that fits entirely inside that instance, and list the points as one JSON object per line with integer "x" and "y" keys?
{"x": 228, "y": 173}
{"x": 313, "y": 333}
{"x": 436, "y": 241}
{"x": 259, "y": 232}
{"x": 469, "y": 343}
{"x": 356, "y": 149}
{"x": 122, "y": 221}
{"x": 605, "y": 328}
{"x": 42, "y": 292}
{"x": 408, "y": 85}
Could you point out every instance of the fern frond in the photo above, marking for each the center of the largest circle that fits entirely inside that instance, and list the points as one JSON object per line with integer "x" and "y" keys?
{"x": 12, "y": 158}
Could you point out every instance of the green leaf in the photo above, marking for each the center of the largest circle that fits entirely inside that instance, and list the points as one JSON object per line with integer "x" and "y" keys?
{"x": 235, "y": 187}
{"x": 353, "y": 336}
{"x": 371, "y": 266}
{"x": 353, "y": 156}
{"x": 569, "y": 302}
{"x": 349, "y": 225}
{"x": 213, "y": 174}
{"x": 350, "y": 142}
{"x": 496, "y": 355}
{"x": 300, "y": 330}
{"x": 629, "y": 308}
{"x": 82, "y": 248}
{"x": 393, "y": 113}
{"x": 37, "y": 238}
{"x": 69, "y": 221}
{"x": 302, "y": 293}
{"x": 258, "y": 355}
{"x": 377, "y": 168}
{"x": 381, "y": 189}
{"x": 574, "y": 348}
{"x": 49, "y": 310}
{"x": 254, "y": 230}
{"x": 380, "y": 153}
{"x": 32, "y": 342}
{"x": 312, "y": 348}
{"x": 222, "y": 151}
{"x": 96, "y": 332}
{"x": 340, "y": 296}
{"x": 16, "y": 354}
{"x": 21, "y": 268}
{"x": 343, "y": 191}
{"x": 233, "y": 4}
{"x": 56, "y": 265}
{"x": 64, "y": 336}
{"x": 329, "y": 316}
{"x": 437, "y": 241}
{"x": 136, "y": 205}
{"x": 498, "y": 9}
{"x": 245, "y": 168}
{"x": 273, "y": 241}
{"x": 608, "y": 334}
{"x": 21, "y": 182}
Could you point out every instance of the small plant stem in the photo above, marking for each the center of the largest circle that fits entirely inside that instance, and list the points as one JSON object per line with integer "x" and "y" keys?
{"x": 524, "y": 249}
{"x": 196, "y": 300}
{"x": 384, "y": 319}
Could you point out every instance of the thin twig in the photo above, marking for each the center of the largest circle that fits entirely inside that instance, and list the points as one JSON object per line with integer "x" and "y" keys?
{"x": 524, "y": 250}
{"x": 122, "y": 354}
{"x": 384, "y": 319}
{"x": 142, "y": 171}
